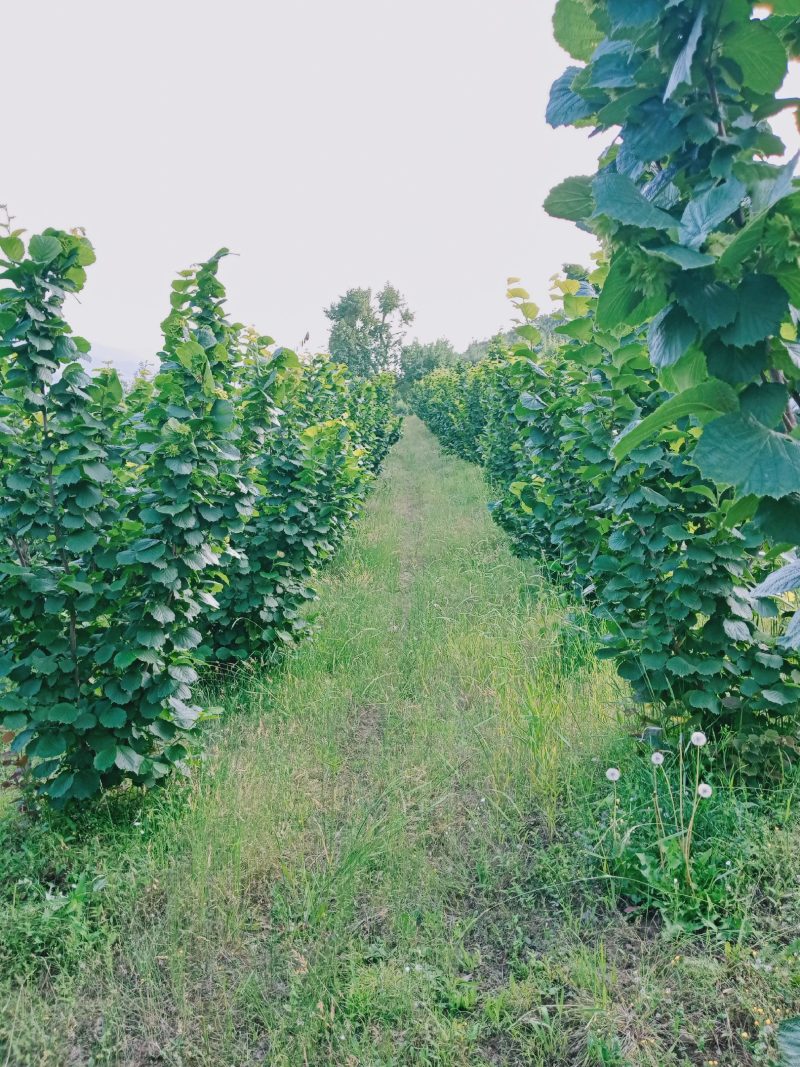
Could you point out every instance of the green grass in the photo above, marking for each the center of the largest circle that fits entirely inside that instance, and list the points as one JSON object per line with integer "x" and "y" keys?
{"x": 388, "y": 856}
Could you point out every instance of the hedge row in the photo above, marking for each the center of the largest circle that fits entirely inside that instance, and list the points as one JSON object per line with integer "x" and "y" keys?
{"x": 659, "y": 553}
{"x": 150, "y": 531}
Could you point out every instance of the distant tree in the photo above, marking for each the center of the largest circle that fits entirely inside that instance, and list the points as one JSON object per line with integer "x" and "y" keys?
{"x": 368, "y": 332}
{"x": 478, "y": 350}
{"x": 417, "y": 359}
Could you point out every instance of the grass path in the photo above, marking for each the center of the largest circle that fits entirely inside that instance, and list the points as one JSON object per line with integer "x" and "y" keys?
{"x": 367, "y": 873}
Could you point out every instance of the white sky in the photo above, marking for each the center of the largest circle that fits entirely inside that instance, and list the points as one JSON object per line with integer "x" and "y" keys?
{"x": 330, "y": 143}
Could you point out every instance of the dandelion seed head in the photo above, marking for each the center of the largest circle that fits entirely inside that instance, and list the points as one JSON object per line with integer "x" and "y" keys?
{"x": 657, "y": 758}
{"x": 613, "y": 774}
{"x": 698, "y": 739}
{"x": 704, "y": 790}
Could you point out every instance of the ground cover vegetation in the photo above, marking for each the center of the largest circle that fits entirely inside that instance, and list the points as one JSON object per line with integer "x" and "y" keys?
{"x": 402, "y": 848}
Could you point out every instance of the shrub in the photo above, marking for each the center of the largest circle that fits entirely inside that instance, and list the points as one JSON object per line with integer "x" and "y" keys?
{"x": 148, "y": 532}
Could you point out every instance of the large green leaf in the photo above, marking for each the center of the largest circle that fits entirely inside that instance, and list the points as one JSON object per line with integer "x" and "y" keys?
{"x": 575, "y": 30}
{"x": 780, "y": 519}
{"x": 566, "y": 107}
{"x": 711, "y": 304}
{"x": 705, "y": 402}
{"x": 784, "y": 580}
{"x": 618, "y": 198}
{"x": 709, "y": 210}
{"x": 571, "y": 200}
{"x": 765, "y": 401}
{"x": 82, "y": 541}
{"x": 618, "y": 296}
{"x": 735, "y": 365}
{"x": 739, "y": 451}
{"x": 759, "y": 53}
{"x": 12, "y": 247}
{"x": 682, "y": 71}
{"x": 762, "y": 306}
{"x": 687, "y": 258}
{"x": 44, "y": 249}
{"x": 127, "y": 759}
{"x": 671, "y": 335}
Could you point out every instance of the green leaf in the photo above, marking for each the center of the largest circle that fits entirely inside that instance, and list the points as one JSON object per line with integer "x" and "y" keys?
{"x": 697, "y": 698}
{"x": 113, "y": 718}
{"x": 48, "y": 745}
{"x": 765, "y": 402}
{"x": 106, "y": 758}
{"x": 760, "y": 55}
{"x": 784, "y": 580}
{"x": 575, "y": 30}
{"x": 571, "y": 200}
{"x": 736, "y": 630}
{"x": 97, "y": 472}
{"x": 566, "y": 107}
{"x": 59, "y": 786}
{"x": 183, "y": 673}
{"x": 618, "y": 297}
{"x": 779, "y": 520}
{"x": 670, "y": 336}
{"x": 708, "y": 211}
{"x": 63, "y": 713}
{"x": 124, "y": 658}
{"x": 13, "y": 248}
{"x": 762, "y": 305}
{"x": 711, "y": 304}
{"x": 617, "y": 198}
{"x": 687, "y": 258}
{"x": 88, "y": 497}
{"x": 223, "y": 415}
{"x": 705, "y": 402}
{"x": 737, "y": 450}
{"x": 44, "y": 249}
{"x": 682, "y": 71}
{"x": 735, "y": 365}
{"x": 128, "y": 760}
{"x": 188, "y": 352}
{"x": 82, "y": 541}
{"x": 162, "y": 613}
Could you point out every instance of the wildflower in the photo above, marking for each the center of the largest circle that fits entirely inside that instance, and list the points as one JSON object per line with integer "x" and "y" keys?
{"x": 613, "y": 774}
{"x": 698, "y": 739}
{"x": 704, "y": 790}
{"x": 657, "y": 758}
{"x": 745, "y": 1036}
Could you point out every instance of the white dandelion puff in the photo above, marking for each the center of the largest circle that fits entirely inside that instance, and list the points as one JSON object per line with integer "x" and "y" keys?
{"x": 657, "y": 759}
{"x": 698, "y": 739}
{"x": 704, "y": 790}
{"x": 613, "y": 774}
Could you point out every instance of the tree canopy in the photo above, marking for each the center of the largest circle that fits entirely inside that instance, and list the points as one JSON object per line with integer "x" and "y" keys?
{"x": 367, "y": 331}
{"x": 418, "y": 359}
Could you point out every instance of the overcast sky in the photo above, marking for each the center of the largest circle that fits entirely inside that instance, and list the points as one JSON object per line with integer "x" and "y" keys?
{"x": 330, "y": 143}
